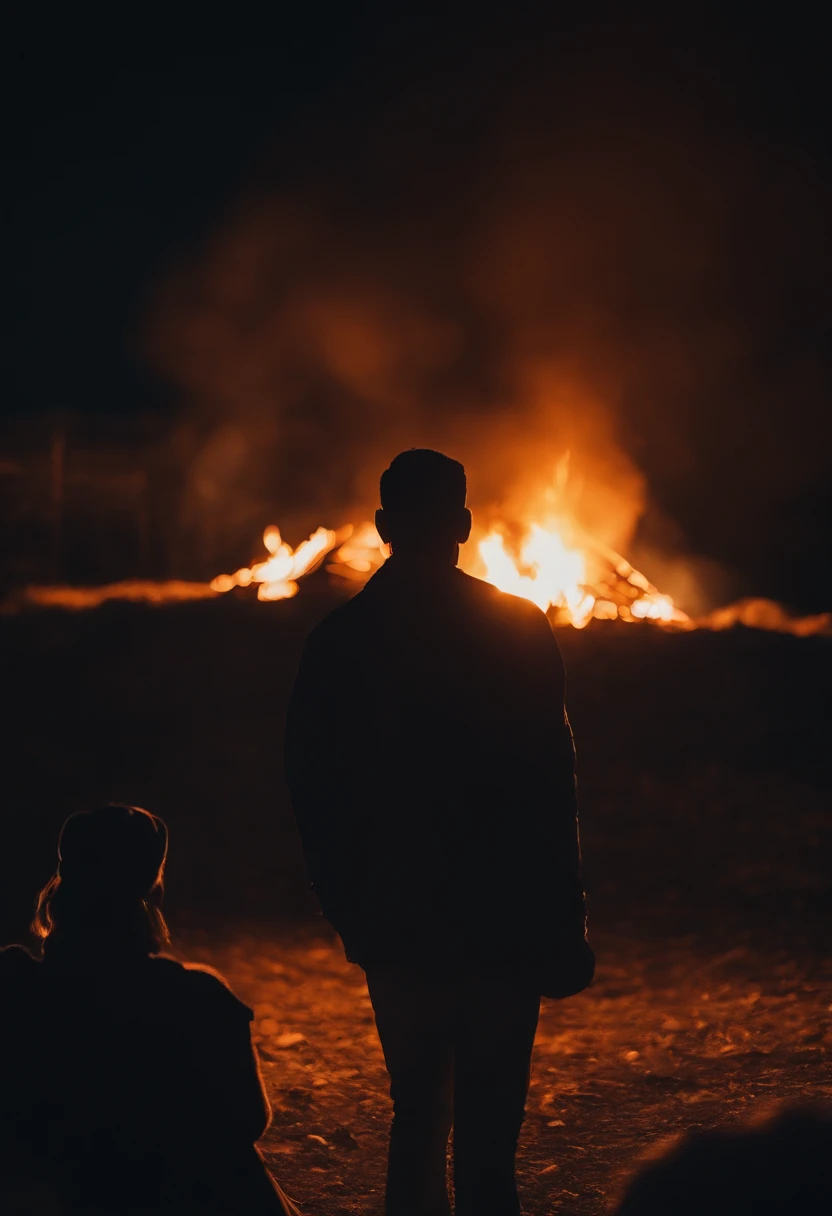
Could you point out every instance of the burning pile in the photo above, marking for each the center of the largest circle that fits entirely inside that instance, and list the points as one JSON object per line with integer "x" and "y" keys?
{"x": 554, "y": 576}
{"x": 571, "y": 577}
{"x": 277, "y": 576}
{"x": 574, "y": 581}
{"x": 544, "y": 569}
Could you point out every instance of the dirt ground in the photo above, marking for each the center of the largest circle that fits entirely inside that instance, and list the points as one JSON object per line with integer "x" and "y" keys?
{"x": 667, "y": 1039}
{"x": 705, "y": 778}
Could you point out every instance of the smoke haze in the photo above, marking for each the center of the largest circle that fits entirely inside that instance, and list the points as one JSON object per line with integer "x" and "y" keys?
{"x": 508, "y": 267}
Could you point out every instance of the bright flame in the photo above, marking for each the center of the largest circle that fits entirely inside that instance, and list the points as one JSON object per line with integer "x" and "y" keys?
{"x": 546, "y": 570}
{"x": 360, "y": 556}
{"x": 555, "y": 574}
{"x": 656, "y": 608}
{"x": 278, "y": 575}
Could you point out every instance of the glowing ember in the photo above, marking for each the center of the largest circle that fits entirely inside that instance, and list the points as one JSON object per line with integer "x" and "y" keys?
{"x": 277, "y": 576}
{"x": 766, "y": 614}
{"x": 139, "y": 591}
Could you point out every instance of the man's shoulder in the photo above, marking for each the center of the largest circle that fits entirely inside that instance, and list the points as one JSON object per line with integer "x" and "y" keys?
{"x": 475, "y": 598}
{"x": 513, "y": 611}
{"x": 337, "y": 624}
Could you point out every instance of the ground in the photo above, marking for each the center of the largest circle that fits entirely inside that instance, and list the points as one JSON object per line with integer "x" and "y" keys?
{"x": 705, "y": 778}
{"x": 666, "y": 1040}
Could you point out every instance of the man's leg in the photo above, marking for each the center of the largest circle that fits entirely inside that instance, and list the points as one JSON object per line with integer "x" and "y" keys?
{"x": 414, "y": 1014}
{"x": 495, "y": 1035}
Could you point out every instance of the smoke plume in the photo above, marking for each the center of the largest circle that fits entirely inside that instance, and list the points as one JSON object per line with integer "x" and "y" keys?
{"x": 584, "y": 268}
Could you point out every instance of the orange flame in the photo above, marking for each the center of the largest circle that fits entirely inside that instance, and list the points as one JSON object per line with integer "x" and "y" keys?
{"x": 278, "y": 575}
{"x": 545, "y": 570}
{"x": 566, "y": 574}
{"x": 553, "y": 575}
{"x": 549, "y": 573}
{"x": 360, "y": 556}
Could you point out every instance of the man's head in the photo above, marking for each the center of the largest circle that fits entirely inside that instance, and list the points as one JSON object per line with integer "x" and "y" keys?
{"x": 423, "y": 510}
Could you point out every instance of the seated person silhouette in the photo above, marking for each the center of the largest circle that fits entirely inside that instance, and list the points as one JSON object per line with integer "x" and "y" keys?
{"x": 779, "y": 1166}
{"x": 431, "y": 768}
{"x": 128, "y": 1082}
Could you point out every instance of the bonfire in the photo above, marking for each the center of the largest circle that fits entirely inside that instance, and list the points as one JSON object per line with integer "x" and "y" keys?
{"x": 544, "y": 569}
{"x": 547, "y": 559}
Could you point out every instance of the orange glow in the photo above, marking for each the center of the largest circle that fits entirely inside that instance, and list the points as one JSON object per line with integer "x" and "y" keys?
{"x": 537, "y": 551}
{"x": 656, "y": 608}
{"x": 573, "y": 582}
{"x": 278, "y": 575}
{"x": 361, "y": 554}
{"x": 534, "y": 548}
{"x": 554, "y": 575}
{"x": 548, "y": 572}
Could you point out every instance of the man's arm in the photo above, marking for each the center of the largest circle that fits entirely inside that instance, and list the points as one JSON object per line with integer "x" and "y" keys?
{"x": 311, "y": 773}
{"x": 553, "y": 745}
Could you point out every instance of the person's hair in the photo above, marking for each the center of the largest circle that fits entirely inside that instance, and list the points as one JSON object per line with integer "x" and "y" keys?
{"x": 109, "y": 882}
{"x": 773, "y": 1167}
{"x": 423, "y": 482}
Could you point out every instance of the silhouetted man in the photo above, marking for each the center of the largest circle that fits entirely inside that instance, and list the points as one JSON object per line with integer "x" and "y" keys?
{"x": 431, "y": 768}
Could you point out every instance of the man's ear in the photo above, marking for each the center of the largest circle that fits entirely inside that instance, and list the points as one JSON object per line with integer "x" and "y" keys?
{"x": 381, "y": 526}
{"x": 465, "y": 522}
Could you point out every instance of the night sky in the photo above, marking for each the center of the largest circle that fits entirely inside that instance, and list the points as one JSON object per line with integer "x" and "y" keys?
{"x": 645, "y": 204}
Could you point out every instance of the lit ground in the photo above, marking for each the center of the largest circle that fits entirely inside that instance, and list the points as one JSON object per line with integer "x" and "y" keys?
{"x": 666, "y": 1040}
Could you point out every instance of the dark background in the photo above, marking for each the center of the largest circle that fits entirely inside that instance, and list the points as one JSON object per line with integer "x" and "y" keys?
{"x": 641, "y": 204}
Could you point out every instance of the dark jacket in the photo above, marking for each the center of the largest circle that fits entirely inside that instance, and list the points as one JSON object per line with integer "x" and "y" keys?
{"x": 128, "y": 1086}
{"x": 431, "y": 767}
